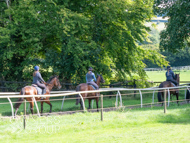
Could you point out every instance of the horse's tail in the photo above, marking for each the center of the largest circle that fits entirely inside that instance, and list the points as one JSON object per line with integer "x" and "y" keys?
{"x": 20, "y": 100}
{"x": 160, "y": 93}
{"x": 77, "y": 89}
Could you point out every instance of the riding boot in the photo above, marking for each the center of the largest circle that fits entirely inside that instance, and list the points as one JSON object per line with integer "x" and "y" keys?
{"x": 43, "y": 92}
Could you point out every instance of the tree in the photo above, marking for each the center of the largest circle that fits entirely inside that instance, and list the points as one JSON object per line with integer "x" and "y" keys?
{"x": 69, "y": 36}
{"x": 177, "y": 29}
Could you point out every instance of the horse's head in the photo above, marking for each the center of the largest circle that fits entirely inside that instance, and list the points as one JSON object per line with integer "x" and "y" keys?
{"x": 54, "y": 80}
{"x": 100, "y": 77}
{"x": 177, "y": 77}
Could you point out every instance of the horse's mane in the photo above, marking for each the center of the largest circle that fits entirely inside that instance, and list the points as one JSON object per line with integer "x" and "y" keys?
{"x": 51, "y": 78}
{"x": 176, "y": 76}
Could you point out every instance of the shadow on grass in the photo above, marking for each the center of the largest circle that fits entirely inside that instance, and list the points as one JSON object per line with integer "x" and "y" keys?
{"x": 181, "y": 117}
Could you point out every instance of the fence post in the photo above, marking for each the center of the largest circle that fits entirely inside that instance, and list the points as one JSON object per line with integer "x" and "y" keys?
{"x": 120, "y": 98}
{"x": 24, "y": 114}
{"x": 62, "y": 102}
{"x": 141, "y": 98}
{"x": 82, "y": 102}
{"x": 168, "y": 97}
{"x": 102, "y": 107}
{"x": 134, "y": 88}
{"x": 165, "y": 101}
{"x": 11, "y": 107}
{"x": 153, "y": 97}
{"x": 116, "y": 99}
{"x": 36, "y": 106}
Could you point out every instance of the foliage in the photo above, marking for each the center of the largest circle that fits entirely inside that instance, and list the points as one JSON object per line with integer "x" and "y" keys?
{"x": 177, "y": 28}
{"x": 69, "y": 36}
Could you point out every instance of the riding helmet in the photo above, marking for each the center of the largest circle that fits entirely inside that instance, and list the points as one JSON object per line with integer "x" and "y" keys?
{"x": 168, "y": 67}
{"x": 90, "y": 69}
{"x": 36, "y": 68}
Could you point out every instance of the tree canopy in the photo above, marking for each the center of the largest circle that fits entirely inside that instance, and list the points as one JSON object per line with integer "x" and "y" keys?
{"x": 177, "y": 32}
{"x": 66, "y": 37}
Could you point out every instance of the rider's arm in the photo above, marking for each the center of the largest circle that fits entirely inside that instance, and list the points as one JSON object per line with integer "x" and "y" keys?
{"x": 94, "y": 77}
{"x": 173, "y": 74}
{"x": 40, "y": 77}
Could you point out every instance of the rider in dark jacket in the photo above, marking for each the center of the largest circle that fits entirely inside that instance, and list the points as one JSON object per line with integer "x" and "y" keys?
{"x": 170, "y": 76}
{"x": 90, "y": 77}
{"x": 38, "y": 80}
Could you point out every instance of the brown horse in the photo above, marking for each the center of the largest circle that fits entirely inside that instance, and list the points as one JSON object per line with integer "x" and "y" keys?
{"x": 90, "y": 96}
{"x": 30, "y": 90}
{"x": 172, "y": 91}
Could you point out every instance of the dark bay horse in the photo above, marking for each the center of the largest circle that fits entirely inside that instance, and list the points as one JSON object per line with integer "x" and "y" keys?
{"x": 31, "y": 90}
{"x": 90, "y": 96}
{"x": 172, "y": 91}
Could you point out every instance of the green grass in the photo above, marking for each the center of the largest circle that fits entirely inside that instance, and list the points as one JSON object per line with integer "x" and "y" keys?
{"x": 160, "y": 75}
{"x": 137, "y": 125}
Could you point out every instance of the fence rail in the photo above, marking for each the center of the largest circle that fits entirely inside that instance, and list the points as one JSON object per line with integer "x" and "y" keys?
{"x": 163, "y": 69}
{"x": 9, "y": 95}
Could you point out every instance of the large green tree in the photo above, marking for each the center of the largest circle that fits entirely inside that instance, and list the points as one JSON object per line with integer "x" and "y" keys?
{"x": 68, "y": 36}
{"x": 177, "y": 31}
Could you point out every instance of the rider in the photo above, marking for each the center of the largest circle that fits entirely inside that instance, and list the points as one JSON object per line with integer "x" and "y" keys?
{"x": 170, "y": 76}
{"x": 90, "y": 77}
{"x": 38, "y": 80}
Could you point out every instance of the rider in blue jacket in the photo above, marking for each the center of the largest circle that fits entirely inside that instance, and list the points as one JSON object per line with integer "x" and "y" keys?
{"x": 90, "y": 78}
{"x": 170, "y": 76}
{"x": 38, "y": 80}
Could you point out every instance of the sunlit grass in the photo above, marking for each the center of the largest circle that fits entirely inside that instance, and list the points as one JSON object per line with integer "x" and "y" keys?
{"x": 129, "y": 125}
{"x": 160, "y": 75}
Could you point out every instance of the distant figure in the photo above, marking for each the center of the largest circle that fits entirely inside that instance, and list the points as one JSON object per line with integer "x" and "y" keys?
{"x": 90, "y": 78}
{"x": 170, "y": 76}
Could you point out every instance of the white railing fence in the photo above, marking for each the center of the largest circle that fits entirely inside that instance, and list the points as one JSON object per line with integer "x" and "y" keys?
{"x": 10, "y": 95}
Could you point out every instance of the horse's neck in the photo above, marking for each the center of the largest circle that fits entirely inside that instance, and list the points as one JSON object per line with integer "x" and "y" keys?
{"x": 50, "y": 85}
{"x": 177, "y": 79}
{"x": 98, "y": 81}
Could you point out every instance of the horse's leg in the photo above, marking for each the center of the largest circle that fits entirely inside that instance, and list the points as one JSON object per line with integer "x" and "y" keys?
{"x": 48, "y": 102}
{"x": 177, "y": 96}
{"x": 16, "y": 111}
{"x": 32, "y": 107}
{"x": 162, "y": 98}
{"x": 81, "y": 106}
{"x": 42, "y": 102}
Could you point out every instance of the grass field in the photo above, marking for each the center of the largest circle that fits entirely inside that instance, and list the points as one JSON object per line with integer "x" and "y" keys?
{"x": 160, "y": 75}
{"x": 138, "y": 125}
{"x": 124, "y": 125}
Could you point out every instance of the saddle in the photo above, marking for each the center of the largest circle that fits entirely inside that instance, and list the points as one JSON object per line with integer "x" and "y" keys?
{"x": 176, "y": 90}
{"x": 91, "y": 86}
{"x": 39, "y": 90}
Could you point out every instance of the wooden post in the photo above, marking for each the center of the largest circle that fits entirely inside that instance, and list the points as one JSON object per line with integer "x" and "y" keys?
{"x": 24, "y": 113}
{"x": 101, "y": 107}
{"x": 165, "y": 101}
